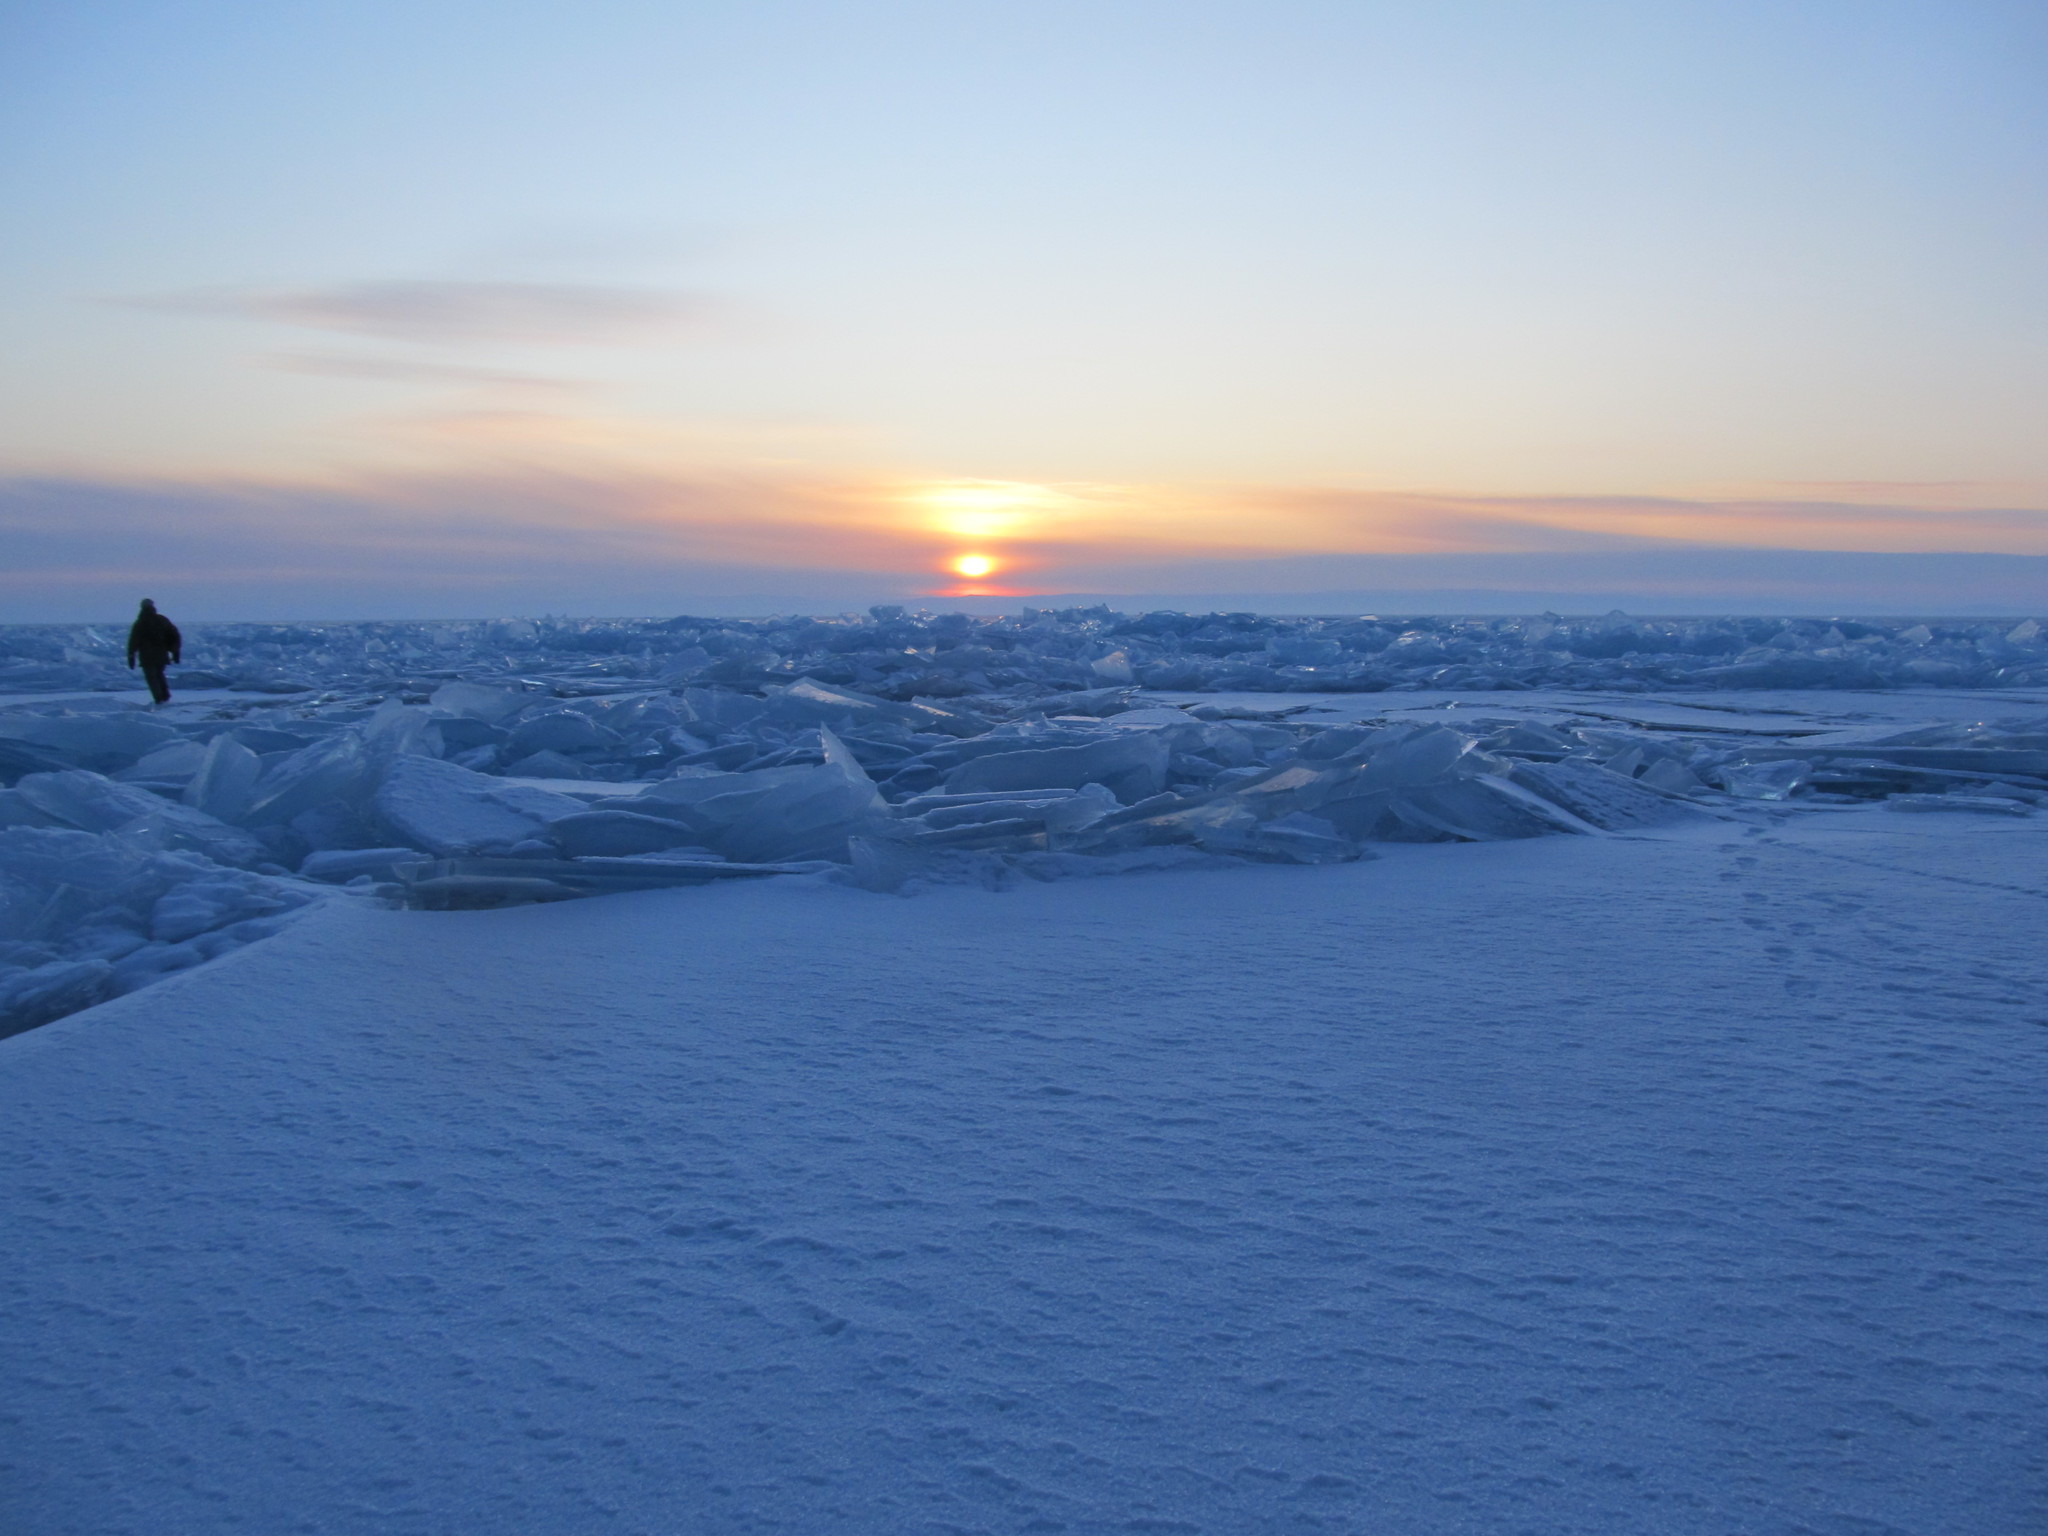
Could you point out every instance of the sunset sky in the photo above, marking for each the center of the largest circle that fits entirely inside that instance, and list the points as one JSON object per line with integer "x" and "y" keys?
{"x": 443, "y": 307}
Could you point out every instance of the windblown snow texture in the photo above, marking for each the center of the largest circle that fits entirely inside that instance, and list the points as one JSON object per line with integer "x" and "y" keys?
{"x": 1688, "y": 1183}
{"x": 453, "y": 765}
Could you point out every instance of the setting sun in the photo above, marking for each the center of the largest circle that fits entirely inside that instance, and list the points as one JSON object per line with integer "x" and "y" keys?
{"x": 974, "y": 565}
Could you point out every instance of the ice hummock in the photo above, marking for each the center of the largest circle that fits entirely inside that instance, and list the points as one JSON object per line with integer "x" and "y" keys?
{"x": 907, "y": 670}
{"x": 480, "y": 764}
{"x": 86, "y": 916}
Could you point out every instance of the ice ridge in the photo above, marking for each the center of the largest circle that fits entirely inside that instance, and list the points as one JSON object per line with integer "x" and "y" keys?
{"x": 472, "y": 765}
{"x": 903, "y": 659}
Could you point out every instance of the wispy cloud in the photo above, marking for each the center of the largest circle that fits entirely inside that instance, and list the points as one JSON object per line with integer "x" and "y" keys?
{"x": 1786, "y": 523}
{"x": 1253, "y": 520}
{"x": 459, "y": 313}
{"x": 401, "y": 370}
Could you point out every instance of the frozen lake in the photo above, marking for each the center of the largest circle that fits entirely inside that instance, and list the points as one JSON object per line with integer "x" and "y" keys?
{"x": 1609, "y": 1099}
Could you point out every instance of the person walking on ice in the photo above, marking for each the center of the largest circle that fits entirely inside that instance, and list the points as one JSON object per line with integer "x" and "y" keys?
{"x": 155, "y": 639}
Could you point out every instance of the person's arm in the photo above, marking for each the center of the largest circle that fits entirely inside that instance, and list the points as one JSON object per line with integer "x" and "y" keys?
{"x": 177, "y": 643}
{"x": 134, "y": 636}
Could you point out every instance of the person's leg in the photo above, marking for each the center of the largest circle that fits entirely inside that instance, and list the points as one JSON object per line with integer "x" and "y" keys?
{"x": 158, "y": 688}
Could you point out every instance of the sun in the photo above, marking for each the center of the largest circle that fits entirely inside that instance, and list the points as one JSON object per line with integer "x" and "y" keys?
{"x": 973, "y": 565}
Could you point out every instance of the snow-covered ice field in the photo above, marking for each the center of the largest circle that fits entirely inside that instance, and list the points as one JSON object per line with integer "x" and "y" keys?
{"x": 1688, "y": 1182}
{"x": 1557, "y": 1078}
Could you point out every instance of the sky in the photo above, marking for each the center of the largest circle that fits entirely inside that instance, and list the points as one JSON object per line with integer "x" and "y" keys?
{"x": 442, "y": 307}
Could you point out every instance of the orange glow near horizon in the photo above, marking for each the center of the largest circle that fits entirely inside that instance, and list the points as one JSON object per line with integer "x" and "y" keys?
{"x": 990, "y": 509}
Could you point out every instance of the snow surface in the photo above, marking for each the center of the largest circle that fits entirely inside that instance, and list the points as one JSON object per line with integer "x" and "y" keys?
{"x": 1381, "y": 1161}
{"x": 1678, "y": 1182}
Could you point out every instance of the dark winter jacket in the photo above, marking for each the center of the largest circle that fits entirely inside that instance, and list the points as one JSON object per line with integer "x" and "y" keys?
{"x": 154, "y": 637}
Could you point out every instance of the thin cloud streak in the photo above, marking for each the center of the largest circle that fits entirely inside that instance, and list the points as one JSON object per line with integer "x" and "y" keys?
{"x": 1793, "y": 524}
{"x": 1276, "y": 520}
{"x": 459, "y": 313}
{"x": 399, "y": 370}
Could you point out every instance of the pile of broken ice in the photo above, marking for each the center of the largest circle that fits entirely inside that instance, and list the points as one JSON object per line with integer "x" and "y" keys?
{"x": 480, "y": 765}
{"x": 903, "y": 656}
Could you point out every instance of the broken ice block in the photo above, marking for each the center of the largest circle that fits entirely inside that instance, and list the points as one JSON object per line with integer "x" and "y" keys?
{"x": 455, "y": 735}
{"x": 1764, "y": 781}
{"x": 1296, "y": 838}
{"x": 339, "y": 768}
{"x": 481, "y": 893}
{"x": 722, "y": 709}
{"x": 91, "y": 802}
{"x": 449, "y": 810}
{"x": 1096, "y": 702}
{"x": 809, "y": 815}
{"x": 1982, "y": 805}
{"x": 558, "y": 730}
{"x": 216, "y": 899}
{"x": 547, "y": 765}
{"x": 810, "y": 702}
{"x": 1152, "y": 717}
{"x": 492, "y": 882}
{"x": 1131, "y": 766}
{"x": 1602, "y": 797}
{"x": 19, "y": 757}
{"x": 103, "y": 743}
{"x": 1529, "y": 738}
{"x": 774, "y": 815}
{"x": 32, "y": 997}
{"x": 617, "y": 834}
{"x": 17, "y": 812}
{"x": 225, "y": 782}
{"x": 1670, "y": 775}
{"x": 1417, "y": 758}
{"x": 1078, "y": 811}
{"x": 480, "y": 701}
{"x": 338, "y": 866}
{"x": 173, "y": 763}
{"x": 1625, "y": 762}
{"x": 1482, "y": 809}
{"x": 1113, "y": 668}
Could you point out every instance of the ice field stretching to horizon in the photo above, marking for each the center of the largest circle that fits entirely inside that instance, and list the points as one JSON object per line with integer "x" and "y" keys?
{"x": 484, "y": 764}
{"x": 1070, "y": 1072}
